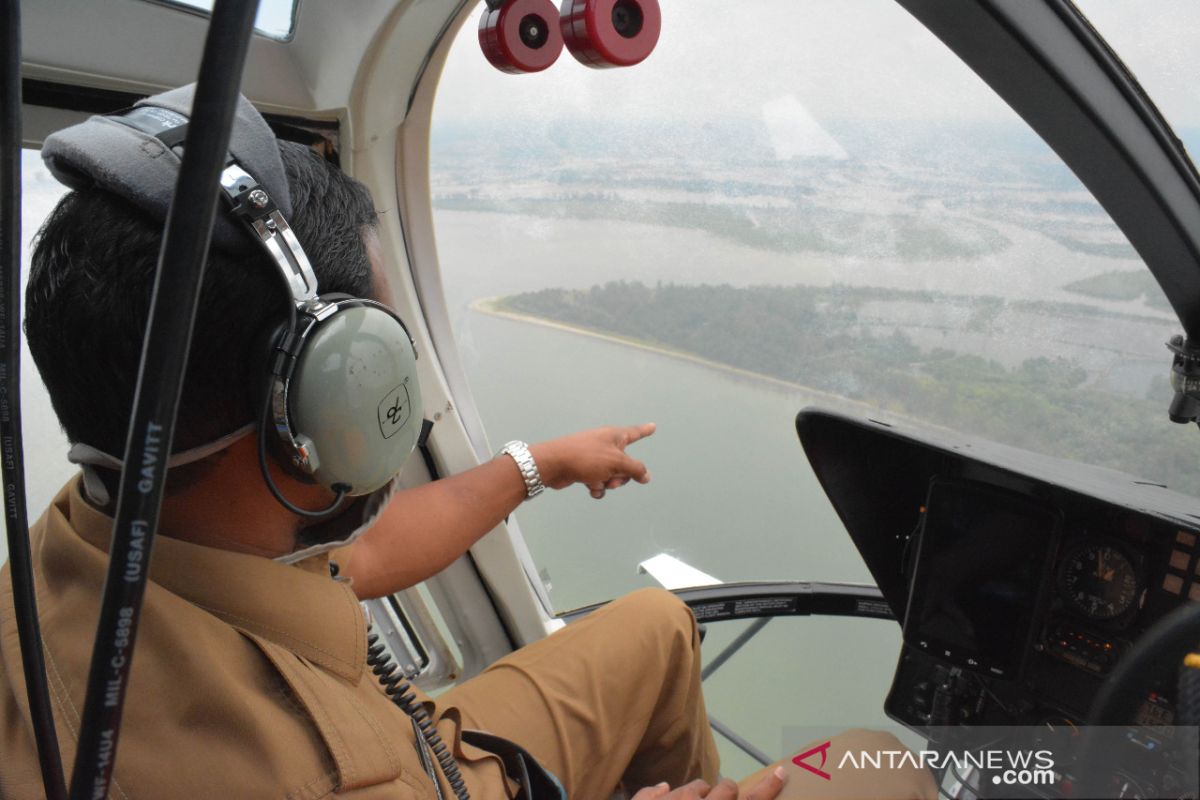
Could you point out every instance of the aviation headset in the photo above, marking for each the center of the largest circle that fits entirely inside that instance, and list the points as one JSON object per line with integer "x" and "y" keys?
{"x": 338, "y": 389}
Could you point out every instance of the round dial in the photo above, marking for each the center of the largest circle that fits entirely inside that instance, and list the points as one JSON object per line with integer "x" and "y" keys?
{"x": 1099, "y": 581}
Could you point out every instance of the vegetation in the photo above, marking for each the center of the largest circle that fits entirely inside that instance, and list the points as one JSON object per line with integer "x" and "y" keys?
{"x": 1123, "y": 285}
{"x": 812, "y": 336}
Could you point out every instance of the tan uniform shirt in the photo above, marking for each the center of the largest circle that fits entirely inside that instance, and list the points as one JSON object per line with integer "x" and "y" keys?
{"x": 249, "y": 682}
{"x": 248, "y": 678}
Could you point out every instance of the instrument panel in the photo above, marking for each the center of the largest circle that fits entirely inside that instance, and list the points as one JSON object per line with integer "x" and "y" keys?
{"x": 1116, "y": 573}
{"x": 1099, "y": 581}
{"x": 1046, "y": 596}
{"x": 1021, "y": 580}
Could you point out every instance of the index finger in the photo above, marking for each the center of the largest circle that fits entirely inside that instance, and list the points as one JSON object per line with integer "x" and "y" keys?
{"x": 633, "y": 433}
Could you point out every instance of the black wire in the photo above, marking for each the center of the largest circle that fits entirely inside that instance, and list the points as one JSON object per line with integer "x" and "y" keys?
{"x": 982, "y": 683}
{"x": 941, "y": 779}
{"x": 971, "y": 787}
{"x": 12, "y": 457}
{"x": 942, "y": 792}
{"x": 264, "y": 425}
{"x": 962, "y": 782}
{"x": 397, "y": 686}
{"x": 160, "y": 381}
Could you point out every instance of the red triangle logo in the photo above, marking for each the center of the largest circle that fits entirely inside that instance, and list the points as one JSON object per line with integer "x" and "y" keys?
{"x": 819, "y": 771}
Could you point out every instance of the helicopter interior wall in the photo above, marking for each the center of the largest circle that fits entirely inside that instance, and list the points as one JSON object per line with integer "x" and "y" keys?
{"x": 144, "y": 47}
{"x": 502, "y": 557}
{"x": 391, "y": 151}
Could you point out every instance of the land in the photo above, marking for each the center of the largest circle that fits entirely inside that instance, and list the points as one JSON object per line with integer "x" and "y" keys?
{"x": 818, "y": 337}
{"x": 955, "y": 194}
{"x": 1132, "y": 285}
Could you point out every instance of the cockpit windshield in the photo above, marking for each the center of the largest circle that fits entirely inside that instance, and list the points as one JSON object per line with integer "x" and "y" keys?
{"x": 789, "y": 203}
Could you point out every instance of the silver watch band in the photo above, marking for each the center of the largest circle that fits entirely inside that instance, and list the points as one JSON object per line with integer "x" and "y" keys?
{"x": 529, "y": 471}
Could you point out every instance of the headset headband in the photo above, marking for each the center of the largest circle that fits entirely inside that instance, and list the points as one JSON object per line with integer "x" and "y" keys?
{"x": 133, "y": 155}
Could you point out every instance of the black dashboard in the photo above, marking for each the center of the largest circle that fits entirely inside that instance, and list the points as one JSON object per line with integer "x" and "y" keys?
{"x": 1045, "y": 591}
{"x": 1021, "y": 581}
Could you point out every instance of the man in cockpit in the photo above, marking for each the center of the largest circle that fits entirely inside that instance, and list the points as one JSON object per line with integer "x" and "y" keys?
{"x": 249, "y": 676}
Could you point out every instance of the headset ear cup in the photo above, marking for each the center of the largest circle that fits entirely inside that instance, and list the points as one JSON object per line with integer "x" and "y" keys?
{"x": 354, "y": 397}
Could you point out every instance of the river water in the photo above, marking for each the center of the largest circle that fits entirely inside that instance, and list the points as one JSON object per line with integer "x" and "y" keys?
{"x": 731, "y": 492}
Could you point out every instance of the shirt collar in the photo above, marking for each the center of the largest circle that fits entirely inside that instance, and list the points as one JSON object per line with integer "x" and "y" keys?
{"x": 299, "y": 607}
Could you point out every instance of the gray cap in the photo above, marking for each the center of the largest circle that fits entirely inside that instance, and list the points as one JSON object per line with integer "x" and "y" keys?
{"x": 139, "y": 167}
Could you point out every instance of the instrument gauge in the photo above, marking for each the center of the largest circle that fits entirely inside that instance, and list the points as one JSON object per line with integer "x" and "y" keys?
{"x": 1099, "y": 581}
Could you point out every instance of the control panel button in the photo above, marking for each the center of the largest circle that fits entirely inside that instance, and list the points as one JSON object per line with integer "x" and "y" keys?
{"x": 1082, "y": 649}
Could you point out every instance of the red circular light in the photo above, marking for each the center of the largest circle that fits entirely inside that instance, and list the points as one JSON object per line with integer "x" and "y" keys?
{"x": 611, "y": 33}
{"x": 521, "y": 36}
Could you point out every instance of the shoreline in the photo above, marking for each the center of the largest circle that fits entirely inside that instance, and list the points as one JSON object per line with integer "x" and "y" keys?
{"x": 485, "y": 305}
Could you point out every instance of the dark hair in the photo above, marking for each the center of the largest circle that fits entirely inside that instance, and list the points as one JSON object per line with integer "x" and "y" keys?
{"x": 88, "y": 299}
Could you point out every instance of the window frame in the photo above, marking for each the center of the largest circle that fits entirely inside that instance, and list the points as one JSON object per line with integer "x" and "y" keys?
{"x": 188, "y": 8}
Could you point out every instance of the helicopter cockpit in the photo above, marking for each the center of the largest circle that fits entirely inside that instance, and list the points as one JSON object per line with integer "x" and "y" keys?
{"x": 893, "y": 278}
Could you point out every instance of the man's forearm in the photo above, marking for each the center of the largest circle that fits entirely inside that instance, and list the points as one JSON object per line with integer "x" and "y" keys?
{"x": 423, "y": 530}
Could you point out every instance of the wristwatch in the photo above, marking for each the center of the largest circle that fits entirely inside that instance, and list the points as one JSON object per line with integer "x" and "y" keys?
{"x": 529, "y": 471}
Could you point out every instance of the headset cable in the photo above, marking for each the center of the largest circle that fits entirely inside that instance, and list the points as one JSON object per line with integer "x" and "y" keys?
{"x": 12, "y": 456}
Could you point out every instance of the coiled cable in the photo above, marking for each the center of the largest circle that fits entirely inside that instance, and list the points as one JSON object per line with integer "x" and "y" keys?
{"x": 397, "y": 686}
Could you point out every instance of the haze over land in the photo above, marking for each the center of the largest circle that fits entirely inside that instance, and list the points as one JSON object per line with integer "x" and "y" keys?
{"x": 959, "y": 275}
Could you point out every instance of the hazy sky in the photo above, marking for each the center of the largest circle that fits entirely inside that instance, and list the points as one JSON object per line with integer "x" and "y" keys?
{"x": 828, "y": 59}
{"x": 1157, "y": 39}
